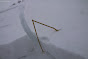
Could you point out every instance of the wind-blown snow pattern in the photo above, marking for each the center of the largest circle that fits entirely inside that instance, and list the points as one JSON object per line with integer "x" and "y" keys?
{"x": 27, "y": 47}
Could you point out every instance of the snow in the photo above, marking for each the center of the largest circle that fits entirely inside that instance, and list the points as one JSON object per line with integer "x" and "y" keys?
{"x": 70, "y": 43}
{"x": 66, "y": 15}
{"x": 23, "y": 48}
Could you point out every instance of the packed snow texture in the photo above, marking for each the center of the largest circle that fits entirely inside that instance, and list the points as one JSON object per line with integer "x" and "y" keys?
{"x": 23, "y": 48}
{"x": 72, "y": 15}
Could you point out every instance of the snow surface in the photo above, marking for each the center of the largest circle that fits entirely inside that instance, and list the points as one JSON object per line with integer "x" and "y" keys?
{"x": 23, "y": 48}
{"x": 70, "y": 15}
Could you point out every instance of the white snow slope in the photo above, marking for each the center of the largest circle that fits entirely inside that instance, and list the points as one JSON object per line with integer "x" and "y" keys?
{"x": 23, "y": 48}
{"x": 69, "y": 43}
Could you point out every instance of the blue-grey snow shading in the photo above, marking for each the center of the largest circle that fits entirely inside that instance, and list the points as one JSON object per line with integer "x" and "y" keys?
{"x": 69, "y": 14}
{"x": 23, "y": 48}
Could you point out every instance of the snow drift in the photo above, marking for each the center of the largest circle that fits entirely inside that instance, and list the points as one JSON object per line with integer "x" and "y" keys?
{"x": 27, "y": 47}
{"x": 23, "y": 48}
